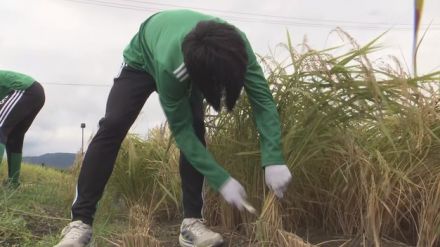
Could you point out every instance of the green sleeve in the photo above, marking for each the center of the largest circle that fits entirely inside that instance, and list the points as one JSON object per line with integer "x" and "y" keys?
{"x": 178, "y": 113}
{"x": 264, "y": 111}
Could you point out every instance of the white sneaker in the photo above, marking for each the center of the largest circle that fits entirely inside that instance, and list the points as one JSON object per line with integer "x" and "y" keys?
{"x": 194, "y": 233}
{"x": 75, "y": 234}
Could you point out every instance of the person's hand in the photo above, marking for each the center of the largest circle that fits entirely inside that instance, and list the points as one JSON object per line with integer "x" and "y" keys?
{"x": 277, "y": 178}
{"x": 234, "y": 193}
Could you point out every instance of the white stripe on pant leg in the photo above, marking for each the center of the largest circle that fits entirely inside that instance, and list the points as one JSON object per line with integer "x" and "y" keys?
{"x": 7, "y": 103}
{"x": 10, "y": 107}
{"x": 74, "y": 200}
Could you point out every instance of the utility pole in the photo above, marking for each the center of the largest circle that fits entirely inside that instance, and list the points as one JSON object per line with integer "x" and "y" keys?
{"x": 83, "y": 125}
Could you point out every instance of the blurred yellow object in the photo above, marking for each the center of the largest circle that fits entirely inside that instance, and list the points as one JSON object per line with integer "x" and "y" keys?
{"x": 417, "y": 17}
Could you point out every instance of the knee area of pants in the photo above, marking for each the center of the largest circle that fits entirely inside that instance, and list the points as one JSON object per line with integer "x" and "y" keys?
{"x": 40, "y": 96}
{"x": 41, "y": 101}
{"x": 112, "y": 124}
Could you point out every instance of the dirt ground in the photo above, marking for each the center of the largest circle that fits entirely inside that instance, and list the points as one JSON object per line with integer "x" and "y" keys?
{"x": 168, "y": 234}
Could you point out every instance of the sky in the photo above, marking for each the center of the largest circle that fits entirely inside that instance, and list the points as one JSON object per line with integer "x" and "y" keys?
{"x": 74, "y": 47}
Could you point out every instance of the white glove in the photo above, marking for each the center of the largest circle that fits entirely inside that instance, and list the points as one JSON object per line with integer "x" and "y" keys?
{"x": 234, "y": 193}
{"x": 277, "y": 178}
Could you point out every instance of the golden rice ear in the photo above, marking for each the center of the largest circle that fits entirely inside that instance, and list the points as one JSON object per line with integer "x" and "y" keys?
{"x": 418, "y": 11}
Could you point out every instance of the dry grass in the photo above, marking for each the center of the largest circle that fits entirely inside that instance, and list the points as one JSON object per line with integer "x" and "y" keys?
{"x": 139, "y": 233}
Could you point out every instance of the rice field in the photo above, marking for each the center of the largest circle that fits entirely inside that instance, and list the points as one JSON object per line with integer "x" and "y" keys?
{"x": 361, "y": 137}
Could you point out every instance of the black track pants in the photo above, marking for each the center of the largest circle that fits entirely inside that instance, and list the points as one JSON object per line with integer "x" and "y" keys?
{"x": 126, "y": 99}
{"x": 17, "y": 112}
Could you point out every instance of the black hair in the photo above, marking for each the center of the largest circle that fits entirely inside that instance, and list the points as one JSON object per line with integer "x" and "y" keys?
{"x": 215, "y": 56}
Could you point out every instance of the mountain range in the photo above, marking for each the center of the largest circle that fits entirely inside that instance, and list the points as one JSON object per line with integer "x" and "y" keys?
{"x": 56, "y": 160}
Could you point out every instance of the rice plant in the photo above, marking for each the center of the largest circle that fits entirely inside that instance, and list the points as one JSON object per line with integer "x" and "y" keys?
{"x": 362, "y": 140}
{"x": 146, "y": 171}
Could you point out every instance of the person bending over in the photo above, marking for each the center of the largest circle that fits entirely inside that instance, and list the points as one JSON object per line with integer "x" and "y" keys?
{"x": 186, "y": 57}
{"x": 21, "y": 100}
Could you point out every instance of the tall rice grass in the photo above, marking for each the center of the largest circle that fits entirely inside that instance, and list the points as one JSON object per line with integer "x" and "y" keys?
{"x": 146, "y": 172}
{"x": 361, "y": 137}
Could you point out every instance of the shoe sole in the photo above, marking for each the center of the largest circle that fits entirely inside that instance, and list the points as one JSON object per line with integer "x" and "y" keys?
{"x": 185, "y": 243}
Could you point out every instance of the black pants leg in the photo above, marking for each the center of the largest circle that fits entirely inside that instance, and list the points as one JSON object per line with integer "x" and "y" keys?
{"x": 17, "y": 112}
{"x": 192, "y": 180}
{"x": 28, "y": 107}
{"x": 126, "y": 99}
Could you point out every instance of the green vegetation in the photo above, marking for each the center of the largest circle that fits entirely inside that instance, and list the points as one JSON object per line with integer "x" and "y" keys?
{"x": 362, "y": 138}
{"x": 33, "y": 214}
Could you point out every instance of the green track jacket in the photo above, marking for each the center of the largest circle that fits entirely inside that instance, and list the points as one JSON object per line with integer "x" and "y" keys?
{"x": 10, "y": 81}
{"x": 156, "y": 49}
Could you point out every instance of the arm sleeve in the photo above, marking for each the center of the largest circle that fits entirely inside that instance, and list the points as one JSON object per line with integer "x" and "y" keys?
{"x": 178, "y": 114}
{"x": 264, "y": 111}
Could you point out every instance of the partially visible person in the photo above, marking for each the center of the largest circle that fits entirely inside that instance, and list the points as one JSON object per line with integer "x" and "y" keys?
{"x": 21, "y": 98}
